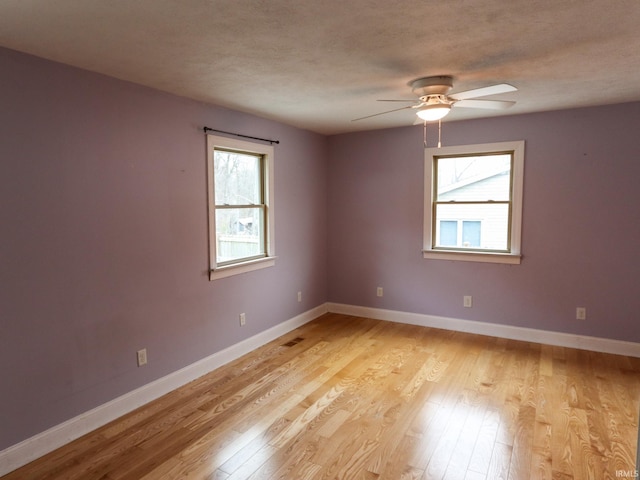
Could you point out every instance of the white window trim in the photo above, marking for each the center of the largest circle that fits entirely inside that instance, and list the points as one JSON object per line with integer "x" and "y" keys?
{"x": 515, "y": 255}
{"x": 215, "y": 271}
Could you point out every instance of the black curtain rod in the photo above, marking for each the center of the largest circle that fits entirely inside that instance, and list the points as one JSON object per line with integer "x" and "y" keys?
{"x": 207, "y": 129}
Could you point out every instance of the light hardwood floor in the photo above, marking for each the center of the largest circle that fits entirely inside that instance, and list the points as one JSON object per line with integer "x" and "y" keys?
{"x": 352, "y": 398}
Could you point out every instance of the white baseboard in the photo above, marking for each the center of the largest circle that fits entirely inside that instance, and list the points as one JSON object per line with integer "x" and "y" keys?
{"x": 55, "y": 437}
{"x": 596, "y": 344}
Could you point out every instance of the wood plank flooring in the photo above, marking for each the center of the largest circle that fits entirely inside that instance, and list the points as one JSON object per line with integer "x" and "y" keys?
{"x": 358, "y": 399}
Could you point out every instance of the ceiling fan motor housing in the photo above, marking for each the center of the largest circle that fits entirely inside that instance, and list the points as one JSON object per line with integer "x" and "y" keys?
{"x": 437, "y": 85}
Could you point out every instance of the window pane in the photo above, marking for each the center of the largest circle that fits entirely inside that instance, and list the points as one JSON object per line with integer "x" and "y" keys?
{"x": 239, "y": 234}
{"x": 448, "y": 233}
{"x": 237, "y": 178}
{"x": 492, "y": 220}
{"x": 478, "y": 178}
{"x": 471, "y": 234}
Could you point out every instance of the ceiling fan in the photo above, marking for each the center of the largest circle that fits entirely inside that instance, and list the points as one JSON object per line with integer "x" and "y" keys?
{"x": 434, "y": 102}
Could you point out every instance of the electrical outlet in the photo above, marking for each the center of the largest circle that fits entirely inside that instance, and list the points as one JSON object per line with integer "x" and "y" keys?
{"x": 467, "y": 301}
{"x": 379, "y": 292}
{"x": 299, "y": 296}
{"x": 243, "y": 319}
{"x": 142, "y": 357}
{"x": 581, "y": 313}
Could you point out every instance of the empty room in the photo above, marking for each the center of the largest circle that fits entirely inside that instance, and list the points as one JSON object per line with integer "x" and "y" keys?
{"x": 369, "y": 240}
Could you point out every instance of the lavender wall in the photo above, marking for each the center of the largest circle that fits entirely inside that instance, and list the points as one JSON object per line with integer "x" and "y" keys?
{"x": 104, "y": 239}
{"x": 581, "y": 224}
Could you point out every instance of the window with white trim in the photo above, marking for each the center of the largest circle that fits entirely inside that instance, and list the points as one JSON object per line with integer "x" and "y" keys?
{"x": 473, "y": 202}
{"x": 240, "y": 193}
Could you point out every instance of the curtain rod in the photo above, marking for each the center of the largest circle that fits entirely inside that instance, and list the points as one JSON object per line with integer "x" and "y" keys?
{"x": 207, "y": 129}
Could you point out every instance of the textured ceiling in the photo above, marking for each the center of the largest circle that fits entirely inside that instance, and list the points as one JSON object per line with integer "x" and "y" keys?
{"x": 319, "y": 64}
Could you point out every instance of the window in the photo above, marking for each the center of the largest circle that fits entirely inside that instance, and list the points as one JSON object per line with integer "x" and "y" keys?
{"x": 473, "y": 202}
{"x": 459, "y": 233}
{"x": 240, "y": 191}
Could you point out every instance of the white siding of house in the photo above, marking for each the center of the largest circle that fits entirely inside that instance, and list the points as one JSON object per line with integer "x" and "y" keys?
{"x": 493, "y": 218}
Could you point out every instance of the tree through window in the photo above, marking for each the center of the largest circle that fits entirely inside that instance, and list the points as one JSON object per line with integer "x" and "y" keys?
{"x": 241, "y": 205}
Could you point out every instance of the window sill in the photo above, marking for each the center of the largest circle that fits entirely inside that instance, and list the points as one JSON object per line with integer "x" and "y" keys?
{"x": 507, "y": 258}
{"x": 238, "y": 268}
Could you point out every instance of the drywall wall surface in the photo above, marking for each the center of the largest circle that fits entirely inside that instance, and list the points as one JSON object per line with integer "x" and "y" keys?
{"x": 103, "y": 207}
{"x": 580, "y": 229}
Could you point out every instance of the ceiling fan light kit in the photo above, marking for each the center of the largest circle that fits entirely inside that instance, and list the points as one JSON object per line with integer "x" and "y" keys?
{"x": 431, "y": 113}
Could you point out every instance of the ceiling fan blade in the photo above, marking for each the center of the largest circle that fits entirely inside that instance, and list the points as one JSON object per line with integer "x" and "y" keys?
{"x": 484, "y": 91}
{"x": 490, "y": 104}
{"x": 411, "y": 101}
{"x": 383, "y": 113}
